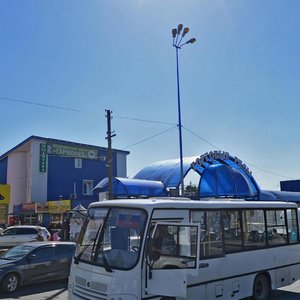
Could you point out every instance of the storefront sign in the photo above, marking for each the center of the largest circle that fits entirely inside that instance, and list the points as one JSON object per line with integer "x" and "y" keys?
{"x": 4, "y": 193}
{"x": 208, "y": 156}
{"x": 220, "y": 155}
{"x": 243, "y": 166}
{"x": 17, "y": 209}
{"x": 41, "y": 207}
{"x": 59, "y": 206}
{"x": 28, "y": 208}
{"x": 43, "y": 157}
{"x": 71, "y": 151}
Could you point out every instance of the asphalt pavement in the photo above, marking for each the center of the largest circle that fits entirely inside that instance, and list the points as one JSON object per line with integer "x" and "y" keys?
{"x": 57, "y": 290}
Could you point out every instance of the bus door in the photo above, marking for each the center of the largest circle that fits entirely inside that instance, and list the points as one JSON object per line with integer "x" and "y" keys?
{"x": 172, "y": 254}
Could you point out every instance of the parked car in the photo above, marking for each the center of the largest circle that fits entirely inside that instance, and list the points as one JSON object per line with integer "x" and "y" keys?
{"x": 16, "y": 235}
{"x": 35, "y": 262}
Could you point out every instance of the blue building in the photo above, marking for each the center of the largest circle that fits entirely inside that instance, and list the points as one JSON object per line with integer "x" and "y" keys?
{"x": 290, "y": 185}
{"x": 40, "y": 170}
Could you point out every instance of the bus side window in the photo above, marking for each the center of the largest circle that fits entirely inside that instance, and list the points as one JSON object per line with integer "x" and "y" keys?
{"x": 254, "y": 229}
{"x": 211, "y": 244}
{"x": 276, "y": 227}
{"x": 292, "y": 225}
{"x": 232, "y": 231}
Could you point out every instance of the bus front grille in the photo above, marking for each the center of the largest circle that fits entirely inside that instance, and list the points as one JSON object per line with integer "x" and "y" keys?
{"x": 89, "y": 289}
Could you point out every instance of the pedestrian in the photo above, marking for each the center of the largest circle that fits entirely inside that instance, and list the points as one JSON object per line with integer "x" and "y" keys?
{"x": 55, "y": 236}
{"x": 40, "y": 236}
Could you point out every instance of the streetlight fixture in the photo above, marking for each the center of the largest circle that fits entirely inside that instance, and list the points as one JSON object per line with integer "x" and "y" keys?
{"x": 178, "y": 34}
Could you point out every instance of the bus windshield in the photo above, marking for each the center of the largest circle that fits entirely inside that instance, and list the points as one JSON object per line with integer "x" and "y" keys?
{"x": 111, "y": 237}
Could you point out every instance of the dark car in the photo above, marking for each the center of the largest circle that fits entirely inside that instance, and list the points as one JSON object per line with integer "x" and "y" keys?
{"x": 35, "y": 262}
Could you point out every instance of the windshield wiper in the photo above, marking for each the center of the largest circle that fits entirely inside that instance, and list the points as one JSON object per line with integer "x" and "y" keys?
{"x": 97, "y": 248}
{"x": 105, "y": 262}
{"x": 76, "y": 258}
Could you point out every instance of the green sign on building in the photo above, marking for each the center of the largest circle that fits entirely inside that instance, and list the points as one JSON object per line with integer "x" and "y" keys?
{"x": 71, "y": 151}
{"x": 43, "y": 157}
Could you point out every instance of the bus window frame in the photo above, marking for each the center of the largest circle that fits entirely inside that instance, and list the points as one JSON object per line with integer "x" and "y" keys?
{"x": 240, "y": 211}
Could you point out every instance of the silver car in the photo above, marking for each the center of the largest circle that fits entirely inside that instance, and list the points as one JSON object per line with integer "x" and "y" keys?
{"x": 16, "y": 235}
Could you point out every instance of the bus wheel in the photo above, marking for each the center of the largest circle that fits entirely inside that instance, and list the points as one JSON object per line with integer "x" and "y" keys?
{"x": 261, "y": 287}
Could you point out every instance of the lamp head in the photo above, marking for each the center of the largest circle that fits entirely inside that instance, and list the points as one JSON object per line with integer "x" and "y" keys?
{"x": 185, "y": 31}
{"x": 174, "y": 32}
{"x": 179, "y": 28}
{"x": 191, "y": 41}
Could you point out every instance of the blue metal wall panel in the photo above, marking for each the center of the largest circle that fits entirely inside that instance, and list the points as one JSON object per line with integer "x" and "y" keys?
{"x": 290, "y": 185}
{"x": 62, "y": 175}
{"x": 3, "y": 171}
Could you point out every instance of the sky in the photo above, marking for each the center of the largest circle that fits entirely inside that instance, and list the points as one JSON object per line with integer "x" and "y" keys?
{"x": 63, "y": 63}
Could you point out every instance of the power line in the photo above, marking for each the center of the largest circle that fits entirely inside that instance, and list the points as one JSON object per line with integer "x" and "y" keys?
{"x": 200, "y": 137}
{"x": 149, "y": 138}
{"x": 79, "y": 110}
{"x": 269, "y": 172}
{"x": 131, "y": 119}
{"x": 47, "y": 105}
{"x": 249, "y": 164}
{"x": 147, "y": 121}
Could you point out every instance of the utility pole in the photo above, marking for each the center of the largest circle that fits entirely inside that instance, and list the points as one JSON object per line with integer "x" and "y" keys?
{"x": 109, "y": 136}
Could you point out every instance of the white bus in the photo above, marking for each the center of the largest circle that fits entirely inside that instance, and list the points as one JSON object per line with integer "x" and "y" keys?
{"x": 216, "y": 249}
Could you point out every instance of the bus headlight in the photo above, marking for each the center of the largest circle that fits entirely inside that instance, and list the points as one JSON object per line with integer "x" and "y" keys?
{"x": 70, "y": 285}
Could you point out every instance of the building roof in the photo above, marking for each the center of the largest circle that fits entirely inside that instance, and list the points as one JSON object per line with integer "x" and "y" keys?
{"x": 51, "y": 140}
{"x": 266, "y": 195}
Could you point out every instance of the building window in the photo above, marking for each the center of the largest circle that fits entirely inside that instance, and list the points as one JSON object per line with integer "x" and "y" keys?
{"x": 78, "y": 163}
{"x": 88, "y": 187}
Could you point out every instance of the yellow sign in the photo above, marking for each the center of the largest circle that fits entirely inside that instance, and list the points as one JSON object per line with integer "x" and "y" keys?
{"x": 4, "y": 193}
{"x": 60, "y": 206}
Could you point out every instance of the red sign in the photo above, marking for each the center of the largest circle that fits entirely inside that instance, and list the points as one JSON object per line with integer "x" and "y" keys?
{"x": 28, "y": 207}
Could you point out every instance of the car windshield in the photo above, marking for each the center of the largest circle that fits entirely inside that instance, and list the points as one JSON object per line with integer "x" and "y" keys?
{"x": 112, "y": 237}
{"x": 16, "y": 252}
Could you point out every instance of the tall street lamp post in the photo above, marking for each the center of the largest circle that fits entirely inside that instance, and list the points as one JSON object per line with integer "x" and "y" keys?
{"x": 178, "y": 34}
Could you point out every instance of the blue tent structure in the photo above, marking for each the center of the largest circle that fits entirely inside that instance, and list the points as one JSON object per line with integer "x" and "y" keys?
{"x": 125, "y": 187}
{"x": 221, "y": 175}
{"x": 167, "y": 171}
{"x": 266, "y": 195}
{"x": 224, "y": 181}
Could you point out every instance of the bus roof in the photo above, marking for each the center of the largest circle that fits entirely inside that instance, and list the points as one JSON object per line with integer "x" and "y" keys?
{"x": 181, "y": 203}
